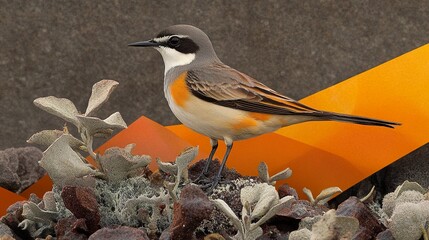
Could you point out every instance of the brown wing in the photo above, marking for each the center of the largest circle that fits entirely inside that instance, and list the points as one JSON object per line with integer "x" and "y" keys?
{"x": 228, "y": 87}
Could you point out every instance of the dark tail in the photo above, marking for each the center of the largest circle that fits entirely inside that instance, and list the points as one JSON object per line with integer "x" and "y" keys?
{"x": 357, "y": 119}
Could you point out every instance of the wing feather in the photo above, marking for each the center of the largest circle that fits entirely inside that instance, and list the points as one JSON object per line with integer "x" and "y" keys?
{"x": 228, "y": 87}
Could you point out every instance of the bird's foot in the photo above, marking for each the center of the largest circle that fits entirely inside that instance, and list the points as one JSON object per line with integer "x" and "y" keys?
{"x": 209, "y": 184}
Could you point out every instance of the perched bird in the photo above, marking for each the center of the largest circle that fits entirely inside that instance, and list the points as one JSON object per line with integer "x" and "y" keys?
{"x": 219, "y": 101}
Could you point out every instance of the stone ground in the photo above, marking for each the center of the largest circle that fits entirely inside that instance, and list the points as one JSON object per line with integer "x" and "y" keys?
{"x": 63, "y": 47}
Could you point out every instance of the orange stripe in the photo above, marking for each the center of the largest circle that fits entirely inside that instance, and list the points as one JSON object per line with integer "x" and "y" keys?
{"x": 245, "y": 123}
{"x": 179, "y": 90}
{"x": 260, "y": 116}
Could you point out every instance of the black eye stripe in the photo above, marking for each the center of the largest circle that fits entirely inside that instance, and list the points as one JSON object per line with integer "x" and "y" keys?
{"x": 186, "y": 45}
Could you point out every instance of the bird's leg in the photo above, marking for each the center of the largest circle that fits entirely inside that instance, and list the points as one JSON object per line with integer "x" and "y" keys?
{"x": 214, "y": 144}
{"x": 219, "y": 173}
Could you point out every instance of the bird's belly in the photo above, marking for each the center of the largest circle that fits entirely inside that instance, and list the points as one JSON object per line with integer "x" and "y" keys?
{"x": 220, "y": 122}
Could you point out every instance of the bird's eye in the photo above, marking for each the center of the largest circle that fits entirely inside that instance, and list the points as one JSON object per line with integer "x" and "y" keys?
{"x": 174, "y": 42}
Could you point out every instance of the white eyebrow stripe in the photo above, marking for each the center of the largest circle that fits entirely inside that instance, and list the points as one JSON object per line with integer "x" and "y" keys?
{"x": 165, "y": 38}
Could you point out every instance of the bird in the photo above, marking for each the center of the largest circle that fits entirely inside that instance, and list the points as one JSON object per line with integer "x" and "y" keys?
{"x": 221, "y": 102}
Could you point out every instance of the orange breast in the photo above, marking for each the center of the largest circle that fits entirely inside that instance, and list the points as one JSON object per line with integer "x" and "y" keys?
{"x": 179, "y": 90}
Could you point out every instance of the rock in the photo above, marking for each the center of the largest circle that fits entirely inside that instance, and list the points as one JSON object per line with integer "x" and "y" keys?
{"x": 191, "y": 209}
{"x": 227, "y": 174}
{"x": 71, "y": 228}
{"x": 286, "y": 190}
{"x": 119, "y": 233}
{"x": 6, "y": 237}
{"x": 369, "y": 226}
{"x": 331, "y": 226}
{"x": 6, "y": 232}
{"x": 82, "y": 203}
{"x": 13, "y": 217}
{"x": 302, "y": 208}
{"x": 20, "y": 168}
{"x": 385, "y": 235}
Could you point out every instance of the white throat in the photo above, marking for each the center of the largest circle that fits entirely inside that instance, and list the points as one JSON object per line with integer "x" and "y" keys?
{"x": 173, "y": 58}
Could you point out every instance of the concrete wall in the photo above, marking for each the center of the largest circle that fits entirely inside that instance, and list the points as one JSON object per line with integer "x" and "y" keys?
{"x": 297, "y": 47}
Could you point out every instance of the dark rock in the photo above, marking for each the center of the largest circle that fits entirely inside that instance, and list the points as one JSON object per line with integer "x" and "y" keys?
{"x": 6, "y": 231}
{"x": 119, "y": 233}
{"x": 300, "y": 209}
{"x": 286, "y": 190}
{"x": 385, "y": 235}
{"x": 81, "y": 201}
{"x": 369, "y": 226}
{"x": 272, "y": 232}
{"x": 191, "y": 209}
{"x": 227, "y": 174}
{"x": 13, "y": 217}
{"x": 20, "y": 168}
{"x": 71, "y": 228}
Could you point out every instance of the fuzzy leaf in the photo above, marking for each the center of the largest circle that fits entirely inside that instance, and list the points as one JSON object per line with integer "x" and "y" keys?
{"x": 100, "y": 94}
{"x": 186, "y": 157}
{"x": 60, "y": 107}
{"x": 281, "y": 175}
{"x": 118, "y": 163}
{"x": 263, "y": 172}
{"x": 407, "y": 186}
{"x": 309, "y": 194}
{"x": 116, "y": 120}
{"x": 282, "y": 203}
{"x": 62, "y": 163}
{"x": 47, "y": 137}
{"x": 221, "y": 205}
{"x": 326, "y": 194}
{"x": 167, "y": 167}
{"x": 249, "y": 235}
{"x": 32, "y": 212}
{"x": 267, "y": 198}
{"x": 96, "y": 125}
{"x": 182, "y": 162}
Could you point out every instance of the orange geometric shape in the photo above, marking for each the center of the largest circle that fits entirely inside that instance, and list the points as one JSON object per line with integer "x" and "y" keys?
{"x": 151, "y": 139}
{"x": 8, "y": 198}
{"x": 39, "y": 188}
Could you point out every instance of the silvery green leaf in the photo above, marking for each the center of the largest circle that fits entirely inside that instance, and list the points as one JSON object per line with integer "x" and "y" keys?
{"x": 186, "y": 157}
{"x": 249, "y": 235}
{"x": 95, "y": 125}
{"x": 309, "y": 194}
{"x": 326, "y": 194}
{"x": 369, "y": 195}
{"x": 116, "y": 120}
{"x": 282, "y": 203}
{"x": 267, "y": 198}
{"x": 60, "y": 107}
{"x": 129, "y": 148}
{"x": 167, "y": 167}
{"x": 407, "y": 186}
{"x": 118, "y": 163}
{"x": 263, "y": 194}
{"x": 49, "y": 201}
{"x": 182, "y": 162}
{"x": 62, "y": 163}
{"x": 221, "y": 205}
{"x": 27, "y": 224}
{"x": 281, "y": 175}
{"x": 33, "y": 212}
{"x": 47, "y": 137}
{"x": 263, "y": 172}
{"x": 100, "y": 94}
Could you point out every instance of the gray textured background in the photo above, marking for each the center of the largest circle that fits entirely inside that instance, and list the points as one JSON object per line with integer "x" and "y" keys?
{"x": 61, "y": 48}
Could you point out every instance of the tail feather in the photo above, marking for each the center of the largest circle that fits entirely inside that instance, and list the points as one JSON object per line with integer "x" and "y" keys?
{"x": 358, "y": 119}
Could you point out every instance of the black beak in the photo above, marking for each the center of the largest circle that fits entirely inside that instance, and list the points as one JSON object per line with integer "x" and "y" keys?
{"x": 150, "y": 43}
